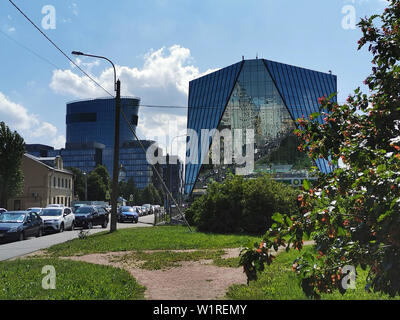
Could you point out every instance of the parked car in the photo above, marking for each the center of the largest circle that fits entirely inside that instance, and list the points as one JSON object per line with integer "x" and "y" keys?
{"x": 145, "y": 210}
{"x": 89, "y": 216}
{"x": 36, "y": 210}
{"x": 76, "y": 206}
{"x": 149, "y": 208}
{"x": 2, "y": 210}
{"x": 138, "y": 209}
{"x": 157, "y": 208}
{"x": 19, "y": 225}
{"x": 58, "y": 219}
{"x": 126, "y": 213}
{"x": 54, "y": 206}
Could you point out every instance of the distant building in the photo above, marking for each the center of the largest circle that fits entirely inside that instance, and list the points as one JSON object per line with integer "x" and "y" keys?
{"x": 90, "y": 140}
{"x": 265, "y": 97}
{"x": 173, "y": 176}
{"x": 45, "y": 182}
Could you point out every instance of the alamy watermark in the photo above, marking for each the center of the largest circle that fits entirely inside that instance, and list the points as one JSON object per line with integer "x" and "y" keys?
{"x": 349, "y": 19}
{"x": 49, "y": 20}
{"x": 349, "y": 280}
{"x": 236, "y": 151}
{"x": 49, "y": 280}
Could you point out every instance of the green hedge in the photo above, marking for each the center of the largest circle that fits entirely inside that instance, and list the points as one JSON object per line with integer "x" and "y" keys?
{"x": 241, "y": 205}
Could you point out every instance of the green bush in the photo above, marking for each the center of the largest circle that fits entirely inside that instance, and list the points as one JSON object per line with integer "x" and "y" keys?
{"x": 241, "y": 205}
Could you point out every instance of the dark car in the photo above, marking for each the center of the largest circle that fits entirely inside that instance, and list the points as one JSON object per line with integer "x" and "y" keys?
{"x": 19, "y": 225}
{"x": 89, "y": 216}
{"x": 129, "y": 214}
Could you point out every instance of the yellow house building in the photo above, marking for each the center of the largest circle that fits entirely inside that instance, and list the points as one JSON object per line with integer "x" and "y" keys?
{"x": 45, "y": 182}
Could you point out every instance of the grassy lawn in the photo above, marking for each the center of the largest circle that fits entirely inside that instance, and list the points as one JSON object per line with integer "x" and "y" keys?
{"x": 156, "y": 238}
{"x": 167, "y": 259}
{"x": 279, "y": 282}
{"x": 22, "y": 280}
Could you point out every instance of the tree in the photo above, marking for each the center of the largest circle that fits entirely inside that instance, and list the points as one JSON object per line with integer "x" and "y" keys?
{"x": 12, "y": 149}
{"x": 353, "y": 213}
{"x": 129, "y": 188}
{"x": 97, "y": 190}
{"x": 79, "y": 182}
{"x": 147, "y": 195}
{"x": 241, "y": 205}
{"x": 102, "y": 171}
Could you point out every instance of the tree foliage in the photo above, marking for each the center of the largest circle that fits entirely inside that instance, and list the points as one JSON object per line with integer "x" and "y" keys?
{"x": 352, "y": 213}
{"x": 12, "y": 149}
{"x": 79, "y": 182}
{"x": 96, "y": 189}
{"x": 241, "y": 205}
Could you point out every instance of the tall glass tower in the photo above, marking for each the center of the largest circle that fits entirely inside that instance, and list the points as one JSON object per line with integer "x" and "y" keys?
{"x": 265, "y": 97}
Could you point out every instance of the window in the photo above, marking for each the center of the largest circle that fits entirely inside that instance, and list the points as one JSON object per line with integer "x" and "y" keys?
{"x": 55, "y": 182}
{"x": 81, "y": 117}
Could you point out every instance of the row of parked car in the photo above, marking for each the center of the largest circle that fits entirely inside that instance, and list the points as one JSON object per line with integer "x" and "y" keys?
{"x": 19, "y": 225}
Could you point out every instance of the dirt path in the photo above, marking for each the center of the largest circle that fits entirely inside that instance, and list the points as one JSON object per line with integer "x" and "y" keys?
{"x": 193, "y": 280}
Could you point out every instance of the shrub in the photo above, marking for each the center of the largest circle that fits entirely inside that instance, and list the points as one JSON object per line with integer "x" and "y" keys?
{"x": 241, "y": 205}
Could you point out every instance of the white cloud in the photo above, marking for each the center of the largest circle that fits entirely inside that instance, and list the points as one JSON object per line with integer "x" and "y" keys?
{"x": 169, "y": 130}
{"x": 28, "y": 125}
{"x": 11, "y": 30}
{"x": 74, "y": 8}
{"x": 162, "y": 80}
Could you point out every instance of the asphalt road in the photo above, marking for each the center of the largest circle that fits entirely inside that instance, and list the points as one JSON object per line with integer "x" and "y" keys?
{"x": 20, "y": 248}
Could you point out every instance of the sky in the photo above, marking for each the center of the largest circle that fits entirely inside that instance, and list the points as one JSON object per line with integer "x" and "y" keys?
{"x": 158, "y": 46}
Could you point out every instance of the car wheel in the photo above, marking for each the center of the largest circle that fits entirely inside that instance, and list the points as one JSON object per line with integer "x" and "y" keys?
{"x": 21, "y": 236}
{"x": 61, "y": 228}
{"x": 72, "y": 226}
{"x": 105, "y": 224}
{"x": 40, "y": 233}
{"x": 90, "y": 225}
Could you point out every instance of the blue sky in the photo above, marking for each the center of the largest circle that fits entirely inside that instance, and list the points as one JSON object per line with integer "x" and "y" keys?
{"x": 159, "y": 46}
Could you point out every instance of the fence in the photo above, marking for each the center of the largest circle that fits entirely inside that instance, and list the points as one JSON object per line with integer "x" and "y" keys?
{"x": 160, "y": 217}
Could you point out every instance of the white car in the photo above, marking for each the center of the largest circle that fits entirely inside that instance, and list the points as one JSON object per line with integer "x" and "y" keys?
{"x": 58, "y": 219}
{"x": 54, "y": 206}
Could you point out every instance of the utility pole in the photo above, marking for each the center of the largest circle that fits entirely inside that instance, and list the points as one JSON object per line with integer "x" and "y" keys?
{"x": 114, "y": 196}
{"x": 168, "y": 183}
{"x": 117, "y": 87}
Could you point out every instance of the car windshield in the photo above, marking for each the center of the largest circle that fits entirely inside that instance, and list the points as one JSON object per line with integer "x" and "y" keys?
{"x": 51, "y": 212}
{"x": 12, "y": 217}
{"x": 84, "y": 210}
{"x": 35, "y": 210}
{"x": 127, "y": 209}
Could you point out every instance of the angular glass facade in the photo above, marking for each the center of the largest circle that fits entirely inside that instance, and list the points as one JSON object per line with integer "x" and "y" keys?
{"x": 263, "y": 96}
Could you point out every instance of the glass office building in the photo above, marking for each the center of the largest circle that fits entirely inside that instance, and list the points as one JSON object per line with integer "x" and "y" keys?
{"x": 90, "y": 140}
{"x": 261, "y": 96}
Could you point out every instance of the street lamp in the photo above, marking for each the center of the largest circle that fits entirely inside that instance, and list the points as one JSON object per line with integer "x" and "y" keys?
{"x": 85, "y": 174}
{"x": 172, "y": 140}
{"x": 117, "y": 88}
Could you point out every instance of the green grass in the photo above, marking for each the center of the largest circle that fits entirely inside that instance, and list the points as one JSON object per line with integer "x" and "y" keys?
{"x": 279, "y": 282}
{"x": 167, "y": 259}
{"x": 156, "y": 238}
{"x": 22, "y": 280}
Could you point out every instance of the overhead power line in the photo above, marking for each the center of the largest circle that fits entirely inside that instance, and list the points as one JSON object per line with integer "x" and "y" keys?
{"x": 123, "y": 114}
{"x": 58, "y": 48}
{"x": 29, "y": 50}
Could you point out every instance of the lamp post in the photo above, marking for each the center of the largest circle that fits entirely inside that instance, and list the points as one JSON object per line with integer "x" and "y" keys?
{"x": 117, "y": 88}
{"x": 85, "y": 174}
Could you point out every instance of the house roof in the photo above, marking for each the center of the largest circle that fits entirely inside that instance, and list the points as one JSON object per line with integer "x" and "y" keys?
{"x": 38, "y": 160}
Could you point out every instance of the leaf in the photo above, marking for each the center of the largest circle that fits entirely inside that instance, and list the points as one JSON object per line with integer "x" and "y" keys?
{"x": 306, "y": 185}
{"x": 278, "y": 218}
